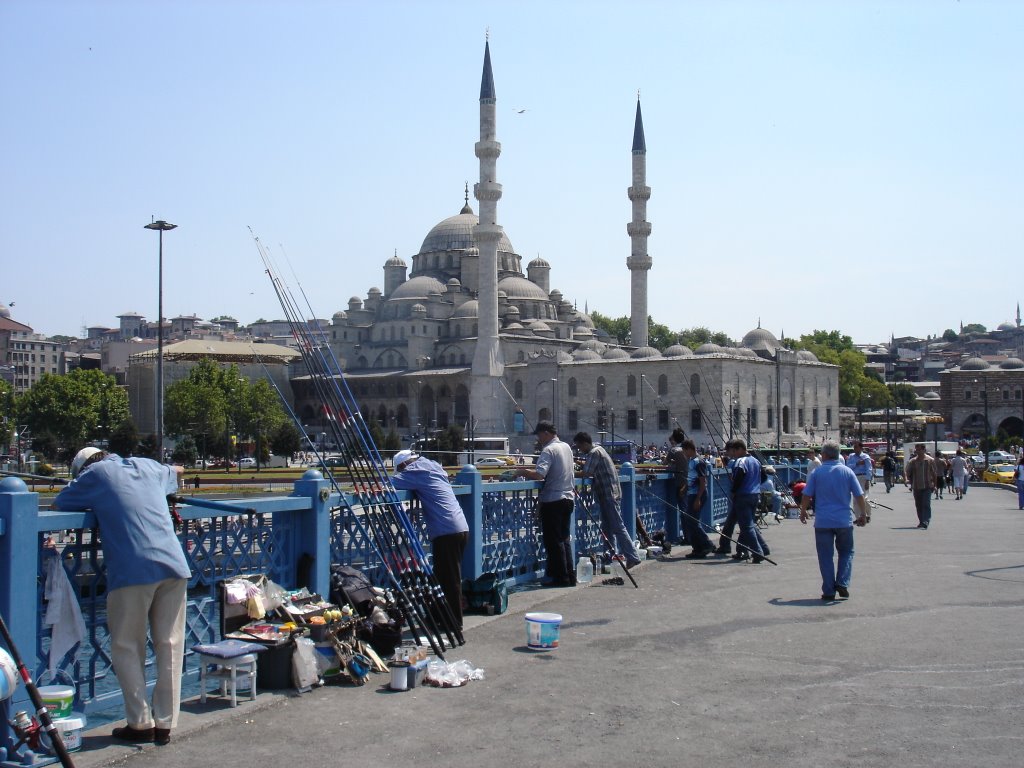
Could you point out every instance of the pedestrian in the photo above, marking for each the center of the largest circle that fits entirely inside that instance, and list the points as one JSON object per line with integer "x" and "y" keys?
{"x": 861, "y": 464}
{"x": 813, "y": 461}
{"x": 554, "y": 468}
{"x": 446, "y": 524}
{"x": 147, "y": 575}
{"x": 746, "y": 484}
{"x": 940, "y": 474}
{"x": 598, "y": 466}
{"x": 889, "y": 470}
{"x": 921, "y": 477}
{"x": 1018, "y": 477}
{"x": 832, "y": 487}
{"x": 958, "y": 470}
{"x": 696, "y": 495}
{"x": 677, "y": 463}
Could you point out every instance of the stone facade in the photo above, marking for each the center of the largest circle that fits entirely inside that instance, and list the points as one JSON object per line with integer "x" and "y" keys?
{"x": 976, "y": 388}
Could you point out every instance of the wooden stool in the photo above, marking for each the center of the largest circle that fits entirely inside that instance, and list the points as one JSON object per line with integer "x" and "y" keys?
{"x": 228, "y": 672}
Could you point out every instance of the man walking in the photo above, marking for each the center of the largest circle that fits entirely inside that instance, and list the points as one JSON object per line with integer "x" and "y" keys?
{"x": 959, "y": 468}
{"x": 832, "y": 486}
{"x": 889, "y": 470}
{"x": 861, "y": 464}
{"x": 746, "y": 487}
{"x": 696, "y": 496}
{"x": 446, "y": 523}
{"x": 598, "y": 466}
{"x": 921, "y": 477}
{"x": 554, "y": 468}
{"x": 146, "y": 579}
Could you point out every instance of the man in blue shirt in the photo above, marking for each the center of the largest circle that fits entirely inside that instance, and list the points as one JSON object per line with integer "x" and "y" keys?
{"x": 556, "y": 503}
{"x": 832, "y": 487}
{"x": 446, "y": 523}
{"x": 862, "y": 465}
{"x": 746, "y": 487}
{"x": 147, "y": 575}
{"x": 693, "y": 502}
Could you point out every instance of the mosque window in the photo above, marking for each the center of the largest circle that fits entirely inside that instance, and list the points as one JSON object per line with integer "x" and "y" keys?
{"x": 771, "y": 417}
{"x": 814, "y": 417}
{"x": 662, "y": 419}
{"x": 600, "y": 388}
{"x": 752, "y": 417}
{"x": 967, "y": 394}
{"x": 631, "y": 387}
{"x": 631, "y": 420}
{"x": 663, "y": 384}
{"x": 800, "y": 417}
{"x": 517, "y": 389}
{"x": 574, "y": 420}
{"x": 828, "y": 416}
{"x": 572, "y": 387}
{"x": 462, "y": 359}
{"x": 696, "y": 422}
{"x": 521, "y": 356}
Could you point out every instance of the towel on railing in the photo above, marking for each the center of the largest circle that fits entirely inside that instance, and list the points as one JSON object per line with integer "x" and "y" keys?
{"x": 62, "y": 610}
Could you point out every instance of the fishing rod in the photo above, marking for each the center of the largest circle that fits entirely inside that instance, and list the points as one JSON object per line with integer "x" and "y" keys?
{"x": 607, "y": 541}
{"x": 37, "y": 701}
{"x": 41, "y": 478}
{"x": 351, "y": 434}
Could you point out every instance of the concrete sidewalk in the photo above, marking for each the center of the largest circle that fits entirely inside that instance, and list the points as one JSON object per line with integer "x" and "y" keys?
{"x": 711, "y": 662}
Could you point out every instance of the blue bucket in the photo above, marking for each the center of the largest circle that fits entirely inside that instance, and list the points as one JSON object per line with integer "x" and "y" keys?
{"x": 542, "y": 631}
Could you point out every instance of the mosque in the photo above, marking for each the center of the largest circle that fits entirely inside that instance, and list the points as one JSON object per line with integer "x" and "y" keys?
{"x": 467, "y": 337}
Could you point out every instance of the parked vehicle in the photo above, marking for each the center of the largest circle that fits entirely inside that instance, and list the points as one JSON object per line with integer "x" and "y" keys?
{"x": 1000, "y": 457}
{"x": 999, "y": 473}
{"x": 247, "y": 461}
{"x": 491, "y": 461}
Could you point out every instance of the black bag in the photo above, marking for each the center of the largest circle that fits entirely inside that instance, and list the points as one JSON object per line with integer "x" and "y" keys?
{"x": 488, "y": 594}
{"x": 350, "y": 585}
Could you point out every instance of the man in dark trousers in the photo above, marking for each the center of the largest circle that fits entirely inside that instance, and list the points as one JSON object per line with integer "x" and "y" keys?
{"x": 556, "y": 499}
{"x": 598, "y": 466}
{"x": 446, "y": 523}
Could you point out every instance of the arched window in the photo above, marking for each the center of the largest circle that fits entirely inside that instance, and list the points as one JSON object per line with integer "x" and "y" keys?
{"x": 572, "y": 387}
{"x": 517, "y": 390}
{"x": 663, "y": 384}
{"x": 600, "y": 388}
{"x": 631, "y": 386}
{"x": 695, "y": 385}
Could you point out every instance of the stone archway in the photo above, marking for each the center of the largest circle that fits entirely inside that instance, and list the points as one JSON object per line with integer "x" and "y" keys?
{"x": 1012, "y": 425}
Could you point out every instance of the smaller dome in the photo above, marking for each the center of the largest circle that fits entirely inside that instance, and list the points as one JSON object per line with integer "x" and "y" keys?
{"x": 742, "y": 352}
{"x": 468, "y": 309}
{"x": 677, "y": 350}
{"x": 593, "y": 345}
{"x": 373, "y": 292}
{"x": 585, "y": 355}
{"x": 583, "y": 319}
{"x": 1012, "y": 363}
{"x": 644, "y": 353}
{"x": 708, "y": 349}
{"x": 354, "y": 303}
{"x": 514, "y": 327}
{"x": 540, "y": 328}
{"x": 561, "y": 356}
{"x": 538, "y": 262}
{"x": 339, "y": 315}
{"x": 395, "y": 261}
{"x": 582, "y": 333}
{"x": 807, "y": 356}
{"x": 512, "y": 311}
{"x": 973, "y": 364}
{"x": 454, "y": 285}
{"x": 1007, "y": 326}
{"x": 760, "y": 337}
{"x": 615, "y": 353}
{"x": 930, "y": 396}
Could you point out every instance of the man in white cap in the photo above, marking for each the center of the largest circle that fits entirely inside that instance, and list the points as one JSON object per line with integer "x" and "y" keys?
{"x": 446, "y": 523}
{"x": 146, "y": 579}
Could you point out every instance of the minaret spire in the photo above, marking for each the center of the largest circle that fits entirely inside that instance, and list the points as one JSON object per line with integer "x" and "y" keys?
{"x": 639, "y": 229}
{"x": 488, "y": 365}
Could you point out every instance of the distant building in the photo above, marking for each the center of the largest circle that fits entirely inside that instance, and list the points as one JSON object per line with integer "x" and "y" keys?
{"x": 25, "y": 355}
{"x": 977, "y": 391}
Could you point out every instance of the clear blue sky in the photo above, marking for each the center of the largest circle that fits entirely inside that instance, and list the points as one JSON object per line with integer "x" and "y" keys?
{"x": 813, "y": 164}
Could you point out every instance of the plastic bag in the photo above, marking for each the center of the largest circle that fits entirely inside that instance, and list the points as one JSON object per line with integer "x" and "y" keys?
{"x": 304, "y": 670}
{"x": 452, "y": 675}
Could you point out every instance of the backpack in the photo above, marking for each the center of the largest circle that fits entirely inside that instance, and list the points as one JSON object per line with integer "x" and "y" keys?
{"x": 352, "y": 586}
{"x": 488, "y": 594}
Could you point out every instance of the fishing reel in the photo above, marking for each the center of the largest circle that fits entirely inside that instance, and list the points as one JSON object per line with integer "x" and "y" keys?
{"x": 28, "y": 730}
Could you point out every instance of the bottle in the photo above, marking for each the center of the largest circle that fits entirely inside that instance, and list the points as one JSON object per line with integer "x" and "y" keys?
{"x": 584, "y": 570}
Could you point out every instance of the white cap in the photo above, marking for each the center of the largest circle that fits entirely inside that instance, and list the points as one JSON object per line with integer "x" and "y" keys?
{"x": 402, "y": 457}
{"x": 81, "y": 457}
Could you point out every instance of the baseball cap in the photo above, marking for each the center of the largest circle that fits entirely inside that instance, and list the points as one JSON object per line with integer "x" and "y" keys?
{"x": 81, "y": 457}
{"x": 402, "y": 457}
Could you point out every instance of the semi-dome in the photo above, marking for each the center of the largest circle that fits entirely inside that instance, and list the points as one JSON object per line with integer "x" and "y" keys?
{"x": 678, "y": 350}
{"x": 1012, "y": 364}
{"x": 615, "y": 353}
{"x": 708, "y": 349}
{"x": 519, "y": 288}
{"x": 742, "y": 351}
{"x": 645, "y": 353}
{"x": 417, "y": 288}
{"x": 540, "y": 328}
{"x": 807, "y": 356}
{"x": 469, "y": 309}
{"x": 973, "y": 364}
{"x": 456, "y": 234}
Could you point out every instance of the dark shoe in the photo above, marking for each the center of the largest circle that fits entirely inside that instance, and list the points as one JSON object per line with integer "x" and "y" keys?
{"x": 843, "y": 592}
{"x": 697, "y": 554}
{"x": 757, "y": 559}
{"x": 828, "y": 597}
{"x": 720, "y": 550}
{"x": 921, "y": 525}
{"x": 740, "y": 556}
{"x": 161, "y": 736}
{"x": 134, "y": 735}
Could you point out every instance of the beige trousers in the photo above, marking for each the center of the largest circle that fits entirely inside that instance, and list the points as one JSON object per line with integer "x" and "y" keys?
{"x": 161, "y": 608}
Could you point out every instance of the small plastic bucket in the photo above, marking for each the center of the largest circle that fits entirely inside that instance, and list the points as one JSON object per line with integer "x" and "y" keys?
{"x": 542, "y": 631}
{"x": 57, "y": 699}
{"x": 70, "y": 730}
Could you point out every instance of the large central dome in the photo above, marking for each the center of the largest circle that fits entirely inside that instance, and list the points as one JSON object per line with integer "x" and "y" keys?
{"x": 456, "y": 234}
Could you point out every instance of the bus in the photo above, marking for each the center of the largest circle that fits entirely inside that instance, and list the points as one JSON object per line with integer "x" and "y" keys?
{"x": 472, "y": 449}
{"x": 620, "y": 450}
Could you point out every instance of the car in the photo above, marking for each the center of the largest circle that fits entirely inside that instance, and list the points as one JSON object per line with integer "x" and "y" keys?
{"x": 491, "y": 461}
{"x": 1000, "y": 457}
{"x": 999, "y": 473}
{"x": 221, "y": 464}
{"x": 247, "y": 461}
{"x": 334, "y": 461}
{"x": 508, "y": 476}
{"x": 978, "y": 460}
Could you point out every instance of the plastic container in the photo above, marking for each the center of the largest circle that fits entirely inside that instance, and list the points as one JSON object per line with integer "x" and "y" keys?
{"x": 58, "y": 699}
{"x": 399, "y": 675}
{"x": 542, "y": 630}
{"x": 70, "y": 730}
{"x": 584, "y": 570}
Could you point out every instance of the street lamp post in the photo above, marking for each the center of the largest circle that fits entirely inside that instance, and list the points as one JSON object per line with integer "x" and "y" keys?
{"x": 161, "y": 227}
{"x": 643, "y": 442}
{"x": 826, "y": 431}
{"x": 729, "y": 400}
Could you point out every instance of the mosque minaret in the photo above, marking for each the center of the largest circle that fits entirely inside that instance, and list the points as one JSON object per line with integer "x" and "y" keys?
{"x": 487, "y": 359}
{"x": 639, "y": 229}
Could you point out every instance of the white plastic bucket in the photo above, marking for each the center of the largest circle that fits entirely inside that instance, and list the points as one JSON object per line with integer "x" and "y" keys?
{"x": 58, "y": 699}
{"x": 542, "y": 631}
{"x": 399, "y": 675}
{"x": 70, "y": 730}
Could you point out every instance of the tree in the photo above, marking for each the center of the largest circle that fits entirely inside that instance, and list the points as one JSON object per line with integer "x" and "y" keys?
{"x": 78, "y": 408}
{"x": 949, "y": 335}
{"x": 904, "y": 396}
{"x": 973, "y": 328}
{"x": 617, "y": 328}
{"x": 392, "y": 442}
{"x": 659, "y": 336}
{"x": 124, "y": 439}
{"x": 856, "y": 387}
{"x": 285, "y": 439}
{"x": 450, "y": 443}
{"x": 694, "y": 337}
{"x": 185, "y": 451}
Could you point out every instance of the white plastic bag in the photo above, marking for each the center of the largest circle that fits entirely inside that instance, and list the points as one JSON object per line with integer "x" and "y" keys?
{"x": 304, "y": 669}
{"x": 453, "y": 675}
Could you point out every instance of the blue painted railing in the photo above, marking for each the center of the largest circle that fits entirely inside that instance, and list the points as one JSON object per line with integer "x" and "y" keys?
{"x": 293, "y": 540}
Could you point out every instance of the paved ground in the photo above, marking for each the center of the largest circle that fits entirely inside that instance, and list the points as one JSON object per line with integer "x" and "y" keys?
{"x": 711, "y": 662}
